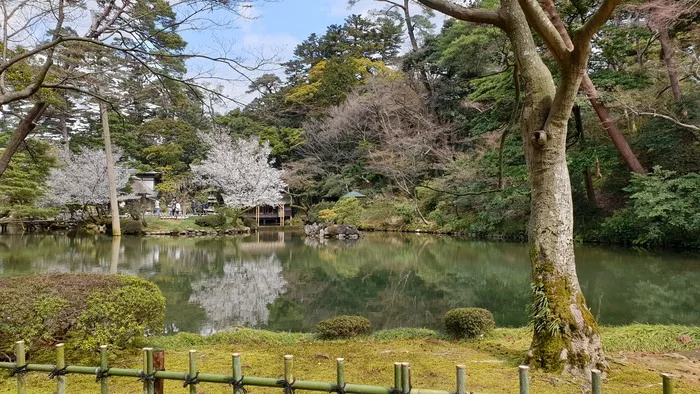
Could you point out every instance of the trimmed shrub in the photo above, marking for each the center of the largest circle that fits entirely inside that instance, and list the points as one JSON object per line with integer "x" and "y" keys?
{"x": 468, "y": 322}
{"x": 131, "y": 227}
{"x": 217, "y": 220}
{"x": 249, "y": 222}
{"x": 343, "y": 326}
{"x": 82, "y": 310}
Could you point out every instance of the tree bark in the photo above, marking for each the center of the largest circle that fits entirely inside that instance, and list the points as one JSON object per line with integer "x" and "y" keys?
{"x": 667, "y": 51}
{"x": 26, "y": 125}
{"x": 590, "y": 191}
{"x": 113, "y": 203}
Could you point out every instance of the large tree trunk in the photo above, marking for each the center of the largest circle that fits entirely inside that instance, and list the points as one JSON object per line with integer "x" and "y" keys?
{"x": 565, "y": 334}
{"x": 26, "y": 125}
{"x": 667, "y": 51}
{"x": 113, "y": 203}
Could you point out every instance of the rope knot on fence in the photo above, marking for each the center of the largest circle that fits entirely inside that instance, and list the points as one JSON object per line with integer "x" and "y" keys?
{"x": 19, "y": 370}
{"x": 147, "y": 377}
{"x": 238, "y": 385}
{"x": 101, "y": 373}
{"x": 58, "y": 372}
{"x": 338, "y": 389}
{"x": 286, "y": 386}
{"x": 189, "y": 380}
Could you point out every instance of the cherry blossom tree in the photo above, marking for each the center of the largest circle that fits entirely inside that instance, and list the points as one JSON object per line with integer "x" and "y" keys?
{"x": 241, "y": 170}
{"x": 82, "y": 178}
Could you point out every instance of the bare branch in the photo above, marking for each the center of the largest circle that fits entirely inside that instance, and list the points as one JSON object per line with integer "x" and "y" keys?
{"x": 475, "y": 15}
{"x": 539, "y": 21}
{"x": 584, "y": 35}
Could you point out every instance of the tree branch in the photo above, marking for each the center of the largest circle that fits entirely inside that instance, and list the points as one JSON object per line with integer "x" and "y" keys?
{"x": 475, "y": 15}
{"x": 539, "y": 21}
{"x": 602, "y": 14}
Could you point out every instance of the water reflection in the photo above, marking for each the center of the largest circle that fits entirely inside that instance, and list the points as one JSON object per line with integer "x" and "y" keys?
{"x": 281, "y": 281}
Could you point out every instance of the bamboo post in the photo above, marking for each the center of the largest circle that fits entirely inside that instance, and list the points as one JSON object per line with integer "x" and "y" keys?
{"x": 461, "y": 379}
{"x": 667, "y": 379}
{"x": 524, "y": 384}
{"x": 104, "y": 382}
{"x": 237, "y": 372}
{"x": 340, "y": 381}
{"x": 397, "y": 376}
{"x": 60, "y": 363}
{"x": 288, "y": 364}
{"x": 148, "y": 383}
{"x": 405, "y": 378}
{"x": 20, "y": 356}
{"x": 595, "y": 381}
{"x": 193, "y": 370}
{"x": 159, "y": 365}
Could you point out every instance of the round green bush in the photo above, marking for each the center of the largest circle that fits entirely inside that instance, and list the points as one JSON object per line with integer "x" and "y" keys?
{"x": 79, "y": 309}
{"x": 343, "y": 327}
{"x": 468, "y": 322}
{"x": 217, "y": 220}
{"x": 131, "y": 227}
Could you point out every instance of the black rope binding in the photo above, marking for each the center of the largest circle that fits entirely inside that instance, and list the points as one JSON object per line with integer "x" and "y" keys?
{"x": 396, "y": 390}
{"x": 100, "y": 374}
{"x": 58, "y": 372}
{"x": 338, "y": 389}
{"x": 147, "y": 377}
{"x": 190, "y": 380}
{"x": 286, "y": 386}
{"x": 20, "y": 370}
{"x": 238, "y": 385}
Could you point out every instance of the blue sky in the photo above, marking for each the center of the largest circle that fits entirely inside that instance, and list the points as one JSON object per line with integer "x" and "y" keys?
{"x": 275, "y": 28}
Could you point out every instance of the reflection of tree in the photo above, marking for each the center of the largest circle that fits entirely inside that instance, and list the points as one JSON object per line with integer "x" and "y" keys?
{"x": 241, "y": 295}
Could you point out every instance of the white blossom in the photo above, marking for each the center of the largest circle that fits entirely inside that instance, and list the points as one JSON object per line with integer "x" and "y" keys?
{"x": 240, "y": 170}
{"x": 82, "y": 178}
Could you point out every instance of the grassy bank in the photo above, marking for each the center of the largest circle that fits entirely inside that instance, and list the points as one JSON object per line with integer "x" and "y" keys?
{"x": 636, "y": 356}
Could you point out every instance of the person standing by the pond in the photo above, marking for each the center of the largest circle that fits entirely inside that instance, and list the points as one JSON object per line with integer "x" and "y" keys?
{"x": 156, "y": 207}
{"x": 178, "y": 209}
{"x": 171, "y": 207}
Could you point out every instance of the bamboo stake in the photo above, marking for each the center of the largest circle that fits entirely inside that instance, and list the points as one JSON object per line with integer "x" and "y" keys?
{"x": 193, "y": 370}
{"x": 148, "y": 383}
{"x": 405, "y": 378}
{"x": 237, "y": 373}
{"x": 340, "y": 372}
{"x": 21, "y": 361}
{"x": 60, "y": 363}
{"x": 524, "y": 384}
{"x": 595, "y": 381}
{"x": 397, "y": 376}
{"x": 288, "y": 364}
{"x": 461, "y": 379}
{"x": 104, "y": 382}
{"x": 667, "y": 380}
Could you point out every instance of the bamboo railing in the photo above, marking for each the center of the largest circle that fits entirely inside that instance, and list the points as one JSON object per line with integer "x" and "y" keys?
{"x": 150, "y": 376}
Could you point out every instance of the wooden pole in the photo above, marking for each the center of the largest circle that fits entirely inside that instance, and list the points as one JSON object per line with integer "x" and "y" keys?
{"x": 397, "y": 376}
{"x": 288, "y": 364}
{"x": 60, "y": 363}
{"x": 340, "y": 381}
{"x": 405, "y": 378}
{"x": 461, "y": 379}
{"x": 20, "y": 356}
{"x": 193, "y": 370}
{"x": 111, "y": 178}
{"x": 104, "y": 382}
{"x": 524, "y": 384}
{"x": 159, "y": 365}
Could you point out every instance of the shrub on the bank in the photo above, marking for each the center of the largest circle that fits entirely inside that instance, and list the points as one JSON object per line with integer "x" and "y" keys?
{"x": 250, "y": 223}
{"x": 468, "y": 322}
{"x": 131, "y": 227}
{"x": 217, "y": 220}
{"x": 82, "y": 310}
{"x": 343, "y": 327}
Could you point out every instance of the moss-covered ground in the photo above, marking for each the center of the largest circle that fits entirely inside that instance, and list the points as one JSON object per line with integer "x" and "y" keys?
{"x": 636, "y": 355}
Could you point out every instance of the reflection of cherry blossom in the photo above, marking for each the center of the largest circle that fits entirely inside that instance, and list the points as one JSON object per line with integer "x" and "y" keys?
{"x": 241, "y": 295}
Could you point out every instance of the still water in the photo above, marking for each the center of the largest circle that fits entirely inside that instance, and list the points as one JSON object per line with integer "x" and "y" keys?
{"x": 281, "y": 281}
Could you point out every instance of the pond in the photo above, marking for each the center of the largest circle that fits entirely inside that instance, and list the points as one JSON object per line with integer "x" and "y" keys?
{"x": 281, "y": 281}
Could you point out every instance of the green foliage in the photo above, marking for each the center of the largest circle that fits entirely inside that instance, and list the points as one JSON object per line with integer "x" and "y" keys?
{"x": 217, "y": 220}
{"x": 468, "y": 322}
{"x": 134, "y": 309}
{"x": 131, "y": 227}
{"x": 347, "y": 211}
{"x": 401, "y": 334}
{"x": 82, "y": 310}
{"x": 343, "y": 326}
{"x": 312, "y": 215}
{"x": 250, "y": 223}
{"x": 662, "y": 209}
